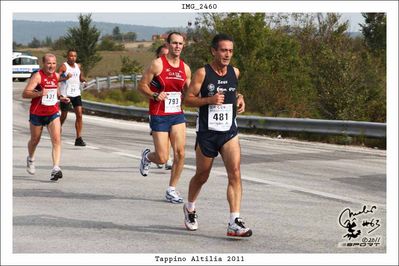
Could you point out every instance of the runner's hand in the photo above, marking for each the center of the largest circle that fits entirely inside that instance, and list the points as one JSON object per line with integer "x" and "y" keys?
{"x": 218, "y": 99}
{"x": 65, "y": 99}
{"x": 161, "y": 96}
{"x": 240, "y": 105}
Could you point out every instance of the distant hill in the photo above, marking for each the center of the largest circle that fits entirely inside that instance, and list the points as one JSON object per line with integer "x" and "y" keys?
{"x": 24, "y": 30}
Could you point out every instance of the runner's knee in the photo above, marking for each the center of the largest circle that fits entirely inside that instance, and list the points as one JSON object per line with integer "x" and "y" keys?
{"x": 162, "y": 158}
{"x": 56, "y": 139}
{"x": 234, "y": 175}
{"x": 79, "y": 116}
{"x": 202, "y": 176}
{"x": 34, "y": 141}
{"x": 179, "y": 154}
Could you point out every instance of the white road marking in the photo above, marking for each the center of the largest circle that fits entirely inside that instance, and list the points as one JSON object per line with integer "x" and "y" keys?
{"x": 278, "y": 184}
{"x": 243, "y": 177}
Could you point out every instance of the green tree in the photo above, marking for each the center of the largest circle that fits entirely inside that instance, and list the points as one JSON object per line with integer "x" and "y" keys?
{"x": 349, "y": 83}
{"x": 305, "y": 65}
{"x": 116, "y": 34}
{"x": 273, "y": 78}
{"x": 59, "y": 44}
{"x": 374, "y": 31}
{"x": 130, "y": 66}
{"x": 84, "y": 39}
{"x": 35, "y": 43}
{"x": 107, "y": 44}
{"x": 16, "y": 45}
{"x": 197, "y": 52}
{"x": 130, "y": 36}
{"x": 48, "y": 42}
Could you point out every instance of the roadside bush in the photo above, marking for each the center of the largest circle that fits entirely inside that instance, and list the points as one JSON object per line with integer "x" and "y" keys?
{"x": 116, "y": 95}
{"x": 130, "y": 66}
{"x": 109, "y": 45}
{"x": 134, "y": 96}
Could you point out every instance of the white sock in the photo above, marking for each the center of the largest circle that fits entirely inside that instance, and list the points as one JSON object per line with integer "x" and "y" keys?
{"x": 190, "y": 206}
{"x": 32, "y": 159}
{"x": 171, "y": 188}
{"x": 233, "y": 216}
{"x": 56, "y": 168}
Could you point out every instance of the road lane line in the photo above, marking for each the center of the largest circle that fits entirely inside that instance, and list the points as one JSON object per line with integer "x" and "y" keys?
{"x": 258, "y": 180}
{"x": 278, "y": 184}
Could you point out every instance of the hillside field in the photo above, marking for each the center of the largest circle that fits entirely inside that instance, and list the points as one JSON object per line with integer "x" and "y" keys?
{"x": 110, "y": 63}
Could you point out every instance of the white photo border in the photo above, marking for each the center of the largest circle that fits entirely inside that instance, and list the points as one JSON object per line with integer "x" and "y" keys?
{"x": 10, "y": 7}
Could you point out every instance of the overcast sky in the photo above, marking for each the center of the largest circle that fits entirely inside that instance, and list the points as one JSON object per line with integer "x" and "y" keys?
{"x": 149, "y": 19}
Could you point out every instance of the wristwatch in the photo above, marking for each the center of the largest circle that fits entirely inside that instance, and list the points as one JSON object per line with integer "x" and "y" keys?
{"x": 155, "y": 95}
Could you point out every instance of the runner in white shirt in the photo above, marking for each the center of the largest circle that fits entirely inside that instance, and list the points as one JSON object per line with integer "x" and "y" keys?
{"x": 71, "y": 77}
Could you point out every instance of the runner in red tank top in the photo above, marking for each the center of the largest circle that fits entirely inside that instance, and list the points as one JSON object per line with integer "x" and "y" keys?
{"x": 45, "y": 106}
{"x": 160, "y": 51}
{"x": 163, "y": 83}
{"x": 43, "y": 89}
{"x": 171, "y": 80}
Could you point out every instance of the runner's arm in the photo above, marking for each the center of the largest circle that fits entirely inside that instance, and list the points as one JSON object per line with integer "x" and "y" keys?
{"x": 30, "y": 91}
{"x": 191, "y": 96}
{"x": 188, "y": 79}
{"x": 61, "y": 72}
{"x": 62, "y": 98}
{"x": 144, "y": 84}
{"x": 81, "y": 77}
{"x": 240, "y": 97}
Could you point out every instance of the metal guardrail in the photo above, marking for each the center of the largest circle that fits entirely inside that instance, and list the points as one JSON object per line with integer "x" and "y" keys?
{"x": 340, "y": 127}
{"x": 101, "y": 82}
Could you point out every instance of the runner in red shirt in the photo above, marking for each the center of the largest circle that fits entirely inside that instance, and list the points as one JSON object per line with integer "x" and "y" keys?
{"x": 43, "y": 89}
{"x": 163, "y": 83}
{"x": 163, "y": 50}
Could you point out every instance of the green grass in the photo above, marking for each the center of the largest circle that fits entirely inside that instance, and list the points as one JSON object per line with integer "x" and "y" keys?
{"x": 124, "y": 97}
{"x": 109, "y": 65}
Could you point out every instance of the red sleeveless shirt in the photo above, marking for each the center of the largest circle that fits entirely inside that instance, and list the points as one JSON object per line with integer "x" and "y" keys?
{"x": 171, "y": 80}
{"x": 37, "y": 107}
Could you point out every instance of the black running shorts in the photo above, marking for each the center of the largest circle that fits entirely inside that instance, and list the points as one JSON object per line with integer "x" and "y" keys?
{"x": 76, "y": 101}
{"x": 210, "y": 142}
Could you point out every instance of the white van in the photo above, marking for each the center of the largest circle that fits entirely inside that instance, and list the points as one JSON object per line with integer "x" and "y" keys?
{"x": 23, "y": 65}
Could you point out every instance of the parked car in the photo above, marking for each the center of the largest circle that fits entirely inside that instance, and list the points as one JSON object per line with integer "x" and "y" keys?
{"x": 23, "y": 65}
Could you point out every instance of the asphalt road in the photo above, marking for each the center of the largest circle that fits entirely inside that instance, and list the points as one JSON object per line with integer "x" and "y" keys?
{"x": 293, "y": 195}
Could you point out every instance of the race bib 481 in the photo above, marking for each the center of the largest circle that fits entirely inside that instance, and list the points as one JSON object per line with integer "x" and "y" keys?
{"x": 220, "y": 117}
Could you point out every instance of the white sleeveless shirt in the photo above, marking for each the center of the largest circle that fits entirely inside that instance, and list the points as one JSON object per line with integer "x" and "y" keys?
{"x": 71, "y": 87}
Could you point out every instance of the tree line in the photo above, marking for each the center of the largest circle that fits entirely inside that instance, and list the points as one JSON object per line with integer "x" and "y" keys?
{"x": 107, "y": 42}
{"x": 302, "y": 65}
{"x": 292, "y": 65}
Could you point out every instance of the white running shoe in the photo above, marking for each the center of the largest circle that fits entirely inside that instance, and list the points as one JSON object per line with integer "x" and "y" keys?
{"x": 145, "y": 163}
{"x": 55, "y": 174}
{"x": 190, "y": 219}
{"x": 168, "y": 165}
{"x": 238, "y": 229}
{"x": 159, "y": 166}
{"x": 30, "y": 166}
{"x": 173, "y": 196}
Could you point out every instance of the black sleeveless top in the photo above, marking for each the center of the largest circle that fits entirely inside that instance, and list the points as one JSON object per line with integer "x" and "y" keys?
{"x": 218, "y": 118}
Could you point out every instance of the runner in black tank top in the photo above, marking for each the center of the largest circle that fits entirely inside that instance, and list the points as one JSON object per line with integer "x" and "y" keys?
{"x": 226, "y": 85}
{"x": 213, "y": 90}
